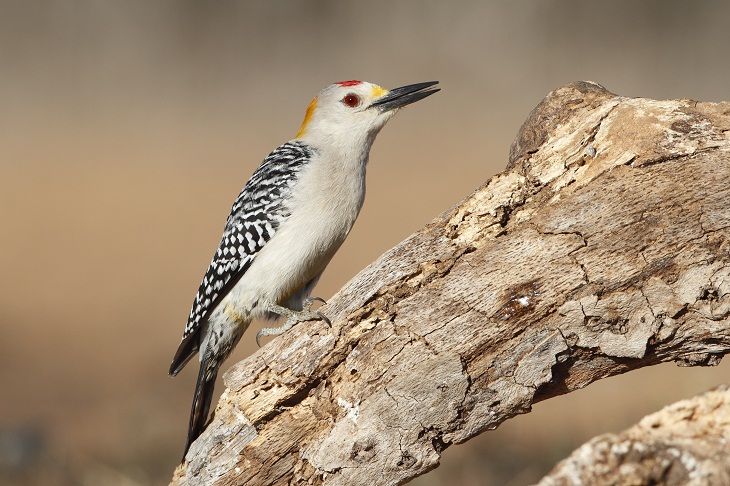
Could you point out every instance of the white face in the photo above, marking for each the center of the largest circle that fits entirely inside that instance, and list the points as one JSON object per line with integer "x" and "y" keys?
{"x": 346, "y": 108}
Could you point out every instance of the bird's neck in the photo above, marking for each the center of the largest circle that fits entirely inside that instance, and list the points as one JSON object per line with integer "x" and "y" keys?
{"x": 349, "y": 147}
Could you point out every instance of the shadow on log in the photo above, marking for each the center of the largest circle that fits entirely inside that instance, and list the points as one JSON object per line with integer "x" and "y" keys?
{"x": 602, "y": 248}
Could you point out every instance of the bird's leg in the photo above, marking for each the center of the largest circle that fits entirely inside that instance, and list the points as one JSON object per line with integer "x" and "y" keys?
{"x": 292, "y": 317}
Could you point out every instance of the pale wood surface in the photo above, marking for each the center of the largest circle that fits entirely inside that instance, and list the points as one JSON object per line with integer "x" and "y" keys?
{"x": 603, "y": 247}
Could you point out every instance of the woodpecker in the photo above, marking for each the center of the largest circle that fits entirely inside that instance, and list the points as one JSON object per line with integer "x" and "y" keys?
{"x": 285, "y": 227}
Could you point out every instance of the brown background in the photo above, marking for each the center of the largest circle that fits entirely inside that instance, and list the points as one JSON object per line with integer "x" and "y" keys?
{"x": 127, "y": 128}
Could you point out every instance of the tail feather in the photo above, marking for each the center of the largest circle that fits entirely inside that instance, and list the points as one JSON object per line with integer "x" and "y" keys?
{"x": 201, "y": 402}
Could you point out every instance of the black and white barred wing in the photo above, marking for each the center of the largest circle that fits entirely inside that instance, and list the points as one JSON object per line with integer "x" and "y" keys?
{"x": 254, "y": 218}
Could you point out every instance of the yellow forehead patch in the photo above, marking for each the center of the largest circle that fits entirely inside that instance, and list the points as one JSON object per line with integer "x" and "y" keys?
{"x": 307, "y": 117}
{"x": 378, "y": 91}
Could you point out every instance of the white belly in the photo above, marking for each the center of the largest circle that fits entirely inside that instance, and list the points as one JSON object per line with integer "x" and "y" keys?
{"x": 322, "y": 214}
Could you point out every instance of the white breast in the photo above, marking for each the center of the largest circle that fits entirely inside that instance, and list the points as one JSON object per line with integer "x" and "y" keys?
{"x": 324, "y": 205}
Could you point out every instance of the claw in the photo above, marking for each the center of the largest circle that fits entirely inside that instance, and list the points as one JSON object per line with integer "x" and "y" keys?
{"x": 311, "y": 300}
{"x": 308, "y": 305}
{"x": 324, "y": 318}
{"x": 258, "y": 338}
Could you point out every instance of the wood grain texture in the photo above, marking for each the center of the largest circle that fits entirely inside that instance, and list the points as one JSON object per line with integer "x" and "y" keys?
{"x": 602, "y": 248}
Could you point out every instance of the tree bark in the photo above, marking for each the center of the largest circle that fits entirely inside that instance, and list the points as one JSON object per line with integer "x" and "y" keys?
{"x": 602, "y": 248}
{"x": 685, "y": 444}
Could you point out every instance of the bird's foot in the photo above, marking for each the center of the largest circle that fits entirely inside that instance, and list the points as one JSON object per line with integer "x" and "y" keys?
{"x": 292, "y": 317}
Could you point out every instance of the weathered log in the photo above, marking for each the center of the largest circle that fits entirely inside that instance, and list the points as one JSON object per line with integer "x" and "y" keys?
{"x": 602, "y": 248}
{"x": 687, "y": 443}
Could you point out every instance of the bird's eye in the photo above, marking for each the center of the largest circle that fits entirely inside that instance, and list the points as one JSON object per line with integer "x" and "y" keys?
{"x": 351, "y": 100}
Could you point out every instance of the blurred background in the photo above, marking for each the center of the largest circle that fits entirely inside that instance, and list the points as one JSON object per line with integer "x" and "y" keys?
{"x": 128, "y": 127}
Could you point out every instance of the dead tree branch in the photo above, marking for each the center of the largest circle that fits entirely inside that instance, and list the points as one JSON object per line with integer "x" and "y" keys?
{"x": 683, "y": 444}
{"x": 602, "y": 248}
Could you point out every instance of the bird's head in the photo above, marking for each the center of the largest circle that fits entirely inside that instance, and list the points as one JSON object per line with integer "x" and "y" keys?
{"x": 357, "y": 109}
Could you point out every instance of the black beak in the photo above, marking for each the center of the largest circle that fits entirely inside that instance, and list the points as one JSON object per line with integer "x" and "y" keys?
{"x": 400, "y": 97}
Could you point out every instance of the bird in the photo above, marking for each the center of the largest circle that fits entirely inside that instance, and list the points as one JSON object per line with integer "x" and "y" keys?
{"x": 284, "y": 228}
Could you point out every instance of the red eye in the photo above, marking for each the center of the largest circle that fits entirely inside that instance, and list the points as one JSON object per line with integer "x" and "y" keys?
{"x": 351, "y": 100}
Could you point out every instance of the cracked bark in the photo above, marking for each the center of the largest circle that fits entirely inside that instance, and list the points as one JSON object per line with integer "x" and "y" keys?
{"x": 602, "y": 248}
